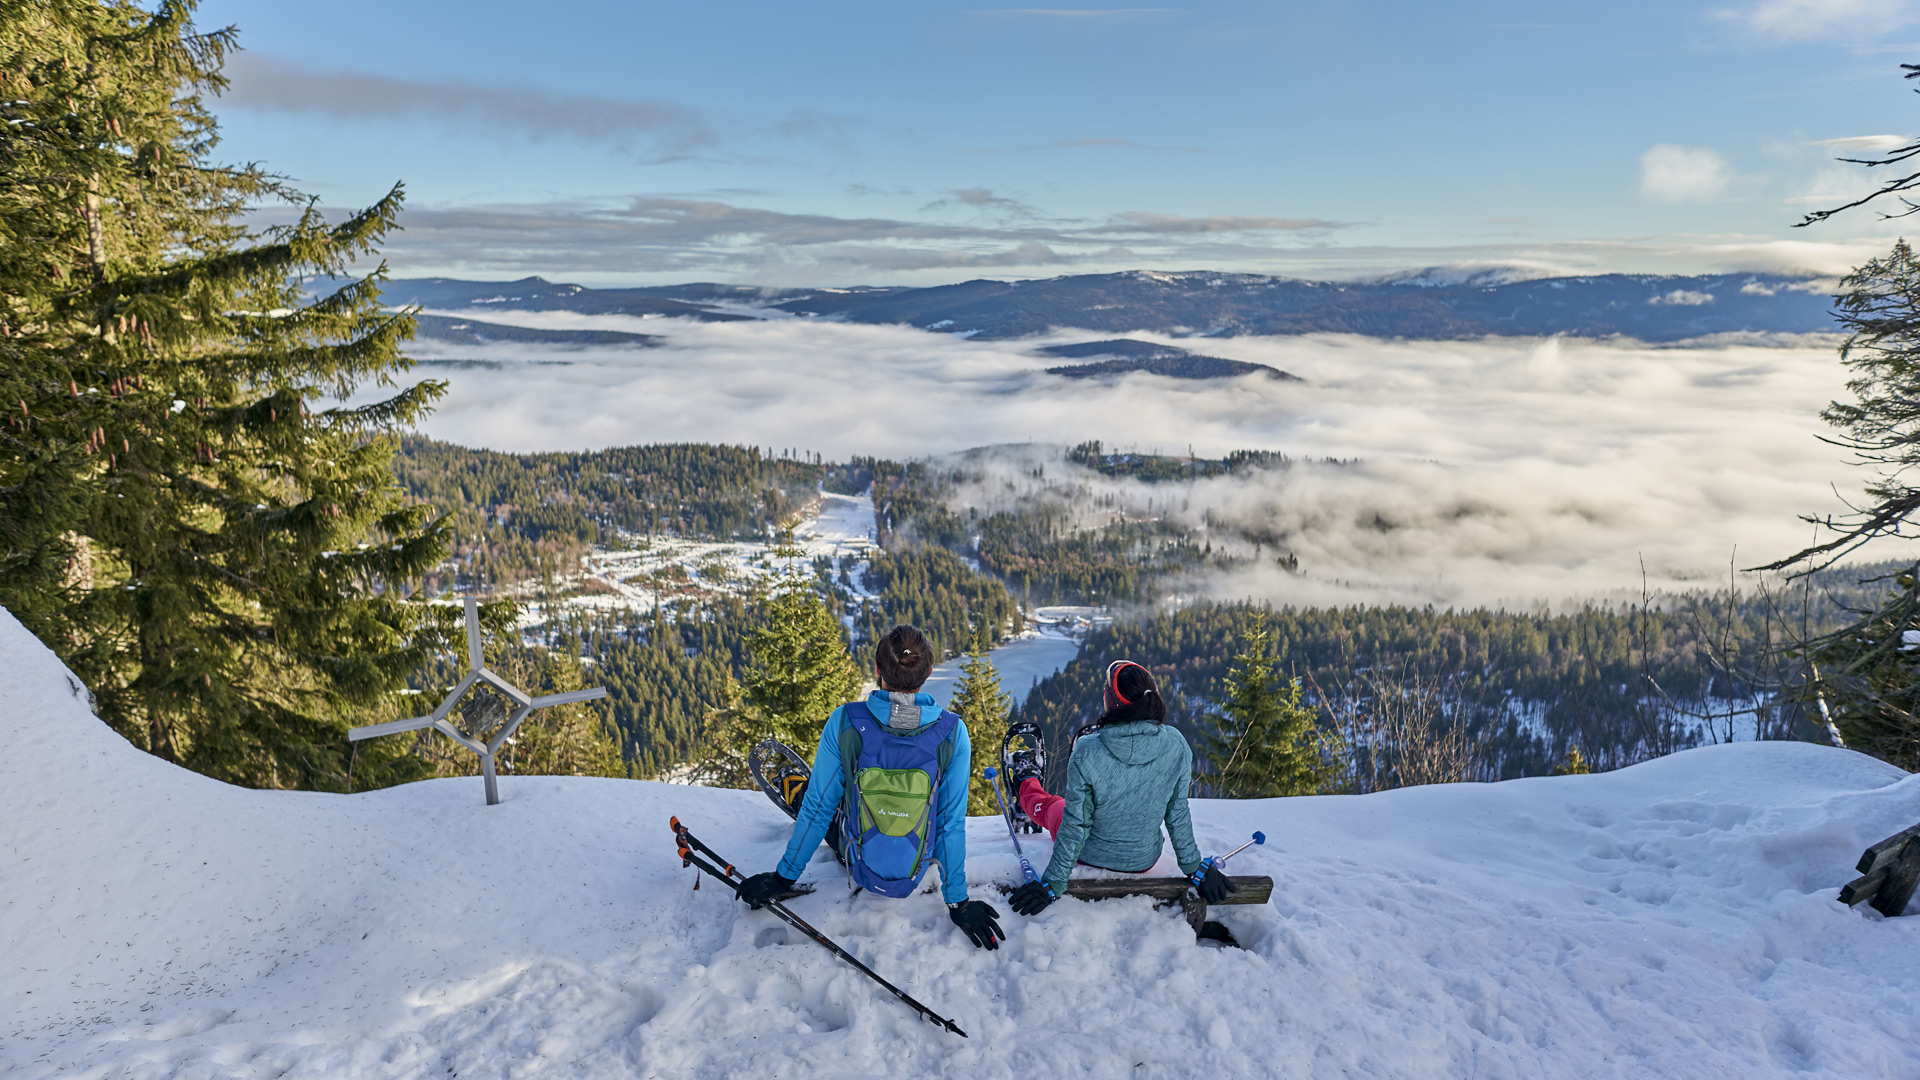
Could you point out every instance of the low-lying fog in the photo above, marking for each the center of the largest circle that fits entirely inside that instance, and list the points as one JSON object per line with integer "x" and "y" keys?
{"x": 1505, "y": 471}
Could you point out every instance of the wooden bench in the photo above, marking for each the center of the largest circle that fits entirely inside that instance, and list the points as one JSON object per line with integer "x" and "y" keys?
{"x": 1176, "y": 890}
{"x": 1888, "y": 870}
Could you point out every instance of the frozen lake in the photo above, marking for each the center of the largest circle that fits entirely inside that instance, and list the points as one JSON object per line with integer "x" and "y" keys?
{"x": 1022, "y": 662}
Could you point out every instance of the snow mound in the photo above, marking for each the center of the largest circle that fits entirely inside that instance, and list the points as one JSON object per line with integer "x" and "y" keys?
{"x": 1673, "y": 919}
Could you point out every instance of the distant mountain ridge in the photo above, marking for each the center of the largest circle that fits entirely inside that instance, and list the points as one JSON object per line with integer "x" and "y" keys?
{"x": 1125, "y": 355}
{"x": 1426, "y": 305}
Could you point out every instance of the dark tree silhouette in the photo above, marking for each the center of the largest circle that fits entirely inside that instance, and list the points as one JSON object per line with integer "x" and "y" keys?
{"x": 1903, "y": 155}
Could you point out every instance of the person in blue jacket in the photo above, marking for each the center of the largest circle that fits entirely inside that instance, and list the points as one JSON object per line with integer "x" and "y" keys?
{"x": 889, "y": 790}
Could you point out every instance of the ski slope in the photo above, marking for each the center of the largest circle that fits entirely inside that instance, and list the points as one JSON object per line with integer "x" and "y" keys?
{"x": 1676, "y": 919}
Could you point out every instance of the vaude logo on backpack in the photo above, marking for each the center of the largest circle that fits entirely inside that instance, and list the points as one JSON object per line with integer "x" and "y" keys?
{"x": 893, "y": 784}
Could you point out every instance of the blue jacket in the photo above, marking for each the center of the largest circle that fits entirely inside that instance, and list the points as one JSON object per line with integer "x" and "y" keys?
{"x": 828, "y": 785}
{"x": 1123, "y": 782}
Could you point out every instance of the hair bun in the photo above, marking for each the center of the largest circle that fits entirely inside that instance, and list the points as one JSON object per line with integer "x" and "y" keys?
{"x": 902, "y": 659}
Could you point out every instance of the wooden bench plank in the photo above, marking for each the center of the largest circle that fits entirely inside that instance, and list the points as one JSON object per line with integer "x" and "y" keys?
{"x": 1886, "y": 851}
{"x": 1889, "y": 874}
{"x": 1172, "y": 890}
{"x": 1249, "y": 890}
{"x": 1903, "y": 874}
{"x": 1862, "y": 887}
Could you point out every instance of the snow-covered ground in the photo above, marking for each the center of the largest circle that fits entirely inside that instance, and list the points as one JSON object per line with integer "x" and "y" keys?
{"x": 1676, "y": 919}
{"x": 843, "y": 525}
{"x": 634, "y": 572}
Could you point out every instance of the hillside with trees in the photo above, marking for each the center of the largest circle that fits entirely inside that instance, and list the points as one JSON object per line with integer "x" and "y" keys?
{"x": 1061, "y": 542}
{"x": 1430, "y": 305}
{"x": 515, "y": 517}
{"x": 1620, "y": 686}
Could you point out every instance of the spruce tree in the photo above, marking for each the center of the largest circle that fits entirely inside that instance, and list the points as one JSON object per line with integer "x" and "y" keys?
{"x": 981, "y": 703}
{"x": 1573, "y": 764}
{"x": 1265, "y": 743}
{"x": 218, "y": 557}
{"x": 799, "y": 670}
{"x": 1864, "y": 672}
{"x": 729, "y": 733}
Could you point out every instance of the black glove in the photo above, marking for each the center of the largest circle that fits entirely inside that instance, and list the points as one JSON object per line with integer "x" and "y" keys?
{"x": 761, "y": 888}
{"x": 1214, "y": 886}
{"x": 1031, "y": 898}
{"x": 979, "y": 921}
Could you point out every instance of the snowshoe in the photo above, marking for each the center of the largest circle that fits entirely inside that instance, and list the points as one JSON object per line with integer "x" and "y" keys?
{"x": 781, "y": 773}
{"x": 1023, "y": 755}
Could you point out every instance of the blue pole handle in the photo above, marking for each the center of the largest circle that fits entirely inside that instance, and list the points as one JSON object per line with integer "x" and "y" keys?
{"x": 1221, "y": 860}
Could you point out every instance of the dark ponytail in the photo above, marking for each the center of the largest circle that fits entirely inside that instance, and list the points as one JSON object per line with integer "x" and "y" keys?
{"x": 1132, "y": 695}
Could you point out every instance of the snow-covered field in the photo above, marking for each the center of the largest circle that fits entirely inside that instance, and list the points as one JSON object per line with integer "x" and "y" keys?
{"x": 633, "y": 573}
{"x": 842, "y": 526}
{"x": 1676, "y": 919}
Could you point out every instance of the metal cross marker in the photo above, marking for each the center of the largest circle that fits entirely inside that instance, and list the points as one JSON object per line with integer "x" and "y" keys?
{"x": 483, "y": 713}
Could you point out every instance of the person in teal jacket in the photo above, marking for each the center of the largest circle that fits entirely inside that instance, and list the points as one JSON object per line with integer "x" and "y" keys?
{"x": 902, "y": 661}
{"x": 1125, "y": 779}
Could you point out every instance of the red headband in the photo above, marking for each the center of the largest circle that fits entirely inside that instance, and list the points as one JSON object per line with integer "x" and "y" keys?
{"x": 1113, "y": 679}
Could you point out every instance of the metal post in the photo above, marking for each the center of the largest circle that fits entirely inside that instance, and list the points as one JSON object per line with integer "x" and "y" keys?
{"x": 474, "y": 659}
{"x": 486, "y": 770}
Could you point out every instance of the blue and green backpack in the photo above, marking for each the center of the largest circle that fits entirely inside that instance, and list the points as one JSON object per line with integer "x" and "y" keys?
{"x": 892, "y": 797}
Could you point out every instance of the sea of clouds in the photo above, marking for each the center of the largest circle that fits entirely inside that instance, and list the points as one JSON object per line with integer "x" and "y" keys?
{"x": 1513, "y": 472}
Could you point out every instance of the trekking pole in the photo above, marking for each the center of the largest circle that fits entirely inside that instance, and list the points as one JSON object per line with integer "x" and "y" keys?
{"x": 688, "y": 844}
{"x": 993, "y": 777}
{"x": 1221, "y": 860}
{"x": 687, "y": 839}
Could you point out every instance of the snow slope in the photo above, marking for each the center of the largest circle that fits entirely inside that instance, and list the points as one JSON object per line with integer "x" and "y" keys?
{"x": 1675, "y": 920}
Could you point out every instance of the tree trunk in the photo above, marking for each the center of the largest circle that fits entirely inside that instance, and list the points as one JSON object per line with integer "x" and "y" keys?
{"x": 96, "y": 236}
{"x": 159, "y": 732}
{"x": 80, "y": 565}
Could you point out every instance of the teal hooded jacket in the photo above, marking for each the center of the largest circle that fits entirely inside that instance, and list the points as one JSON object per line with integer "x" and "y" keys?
{"x": 1123, "y": 781}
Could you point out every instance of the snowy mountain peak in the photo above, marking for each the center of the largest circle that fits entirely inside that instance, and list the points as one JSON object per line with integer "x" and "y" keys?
{"x": 1465, "y": 277}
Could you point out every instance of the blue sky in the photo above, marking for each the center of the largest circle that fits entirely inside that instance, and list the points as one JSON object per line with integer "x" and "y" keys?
{"x": 920, "y": 143}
